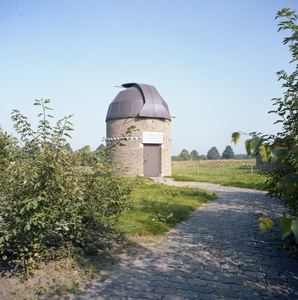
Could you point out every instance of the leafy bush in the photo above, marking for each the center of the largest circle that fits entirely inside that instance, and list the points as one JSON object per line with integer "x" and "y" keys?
{"x": 282, "y": 149}
{"x": 49, "y": 204}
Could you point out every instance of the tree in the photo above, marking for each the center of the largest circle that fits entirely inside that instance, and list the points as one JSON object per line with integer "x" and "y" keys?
{"x": 68, "y": 148}
{"x": 184, "y": 155}
{"x": 7, "y": 144}
{"x": 3, "y": 144}
{"x": 194, "y": 155}
{"x": 100, "y": 147}
{"x": 213, "y": 153}
{"x": 282, "y": 149}
{"x": 228, "y": 153}
{"x": 175, "y": 158}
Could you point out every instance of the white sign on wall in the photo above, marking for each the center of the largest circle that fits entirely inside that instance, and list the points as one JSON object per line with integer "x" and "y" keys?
{"x": 152, "y": 137}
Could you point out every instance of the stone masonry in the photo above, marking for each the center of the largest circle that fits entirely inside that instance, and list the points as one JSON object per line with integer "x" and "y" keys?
{"x": 130, "y": 156}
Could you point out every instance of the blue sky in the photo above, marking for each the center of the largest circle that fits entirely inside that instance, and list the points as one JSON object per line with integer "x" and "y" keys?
{"x": 214, "y": 62}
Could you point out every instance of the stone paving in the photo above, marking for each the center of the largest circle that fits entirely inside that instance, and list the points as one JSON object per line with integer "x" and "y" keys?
{"x": 218, "y": 253}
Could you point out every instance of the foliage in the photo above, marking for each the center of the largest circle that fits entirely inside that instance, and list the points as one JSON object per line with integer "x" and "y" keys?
{"x": 202, "y": 157}
{"x": 238, "y": 173}
{"x": 100, "y": 147}
{"x": 49, "y": 203}
{"x": 242, "y": 156}
{"x": 4, "y": 142}
{"x": 194, "y": 155}
{"x": 213, "y": 153}
{"x": 282, "y": 149}
{"x": 228, "y": 153}
{"x": 68, "y": 148}
{"x": 185, "y": 155}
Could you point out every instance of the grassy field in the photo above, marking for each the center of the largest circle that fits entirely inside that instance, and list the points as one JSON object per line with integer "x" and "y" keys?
{"x": 238, "y": 173}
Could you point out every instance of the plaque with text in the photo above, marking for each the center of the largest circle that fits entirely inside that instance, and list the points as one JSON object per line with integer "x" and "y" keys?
{"x": 152, "y": 137}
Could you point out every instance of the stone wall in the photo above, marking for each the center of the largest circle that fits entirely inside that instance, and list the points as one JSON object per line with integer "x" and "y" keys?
{"x": 130, "y": 156}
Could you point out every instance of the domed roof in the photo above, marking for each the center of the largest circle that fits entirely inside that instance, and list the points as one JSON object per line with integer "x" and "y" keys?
{"x": 138, "y": 100}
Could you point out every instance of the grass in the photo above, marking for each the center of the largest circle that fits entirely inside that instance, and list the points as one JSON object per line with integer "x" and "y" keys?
{"x": 237, "y": 173}
{"x": 156, "y": 208}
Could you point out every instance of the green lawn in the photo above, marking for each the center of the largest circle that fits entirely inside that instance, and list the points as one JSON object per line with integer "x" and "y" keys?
{"x": 156, "y": 208}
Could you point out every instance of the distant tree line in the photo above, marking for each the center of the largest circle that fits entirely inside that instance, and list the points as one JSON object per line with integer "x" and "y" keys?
{"x": 89, "y": 156}
{"x": 213, "y": 153}
{"x": 185, "y": 155}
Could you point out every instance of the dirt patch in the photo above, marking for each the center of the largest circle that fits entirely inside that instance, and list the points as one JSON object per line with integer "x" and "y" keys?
{"x": 70, "y": 275}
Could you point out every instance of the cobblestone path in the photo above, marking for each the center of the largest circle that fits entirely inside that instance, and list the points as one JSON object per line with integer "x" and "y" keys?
{"x": 218, "y": 253}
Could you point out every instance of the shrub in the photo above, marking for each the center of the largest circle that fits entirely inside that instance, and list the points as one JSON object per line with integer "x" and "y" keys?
{"x": 49, "y": 204}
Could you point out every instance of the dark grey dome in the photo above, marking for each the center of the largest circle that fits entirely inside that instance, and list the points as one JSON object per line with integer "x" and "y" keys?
{"x": 138, "y": 100}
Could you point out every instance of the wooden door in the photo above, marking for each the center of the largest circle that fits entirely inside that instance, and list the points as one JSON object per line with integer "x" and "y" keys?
{"x": 152, "y": 160}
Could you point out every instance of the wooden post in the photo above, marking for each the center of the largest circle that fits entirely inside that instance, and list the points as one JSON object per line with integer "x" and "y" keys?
{"x": 198, "y": 168}
{"x": 223, "y": 169}
{"x": 251, "y": 169}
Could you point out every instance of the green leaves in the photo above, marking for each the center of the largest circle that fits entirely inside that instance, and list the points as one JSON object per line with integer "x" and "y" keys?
{"x": 255, "y": 145}
{"x": 52, "y": 199}
{"x": 265, "y": 224}
{"x": 278, "y": 155}
{"x": 294, "y": 228}
{"x": 290, "y": 183}
{"x": 235, "y": 137}
{"x": 66, "y": 134}
{"x": 290, "y": 17}
{"x": 265, "y": 152}
{"x": 285, "y": 225}
{"x": 281, "y": 149}
{"x": 289, "y": 226}
{"x": 247, "y": 147}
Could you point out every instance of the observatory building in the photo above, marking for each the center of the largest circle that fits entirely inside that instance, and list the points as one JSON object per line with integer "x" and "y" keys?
{"x": 147, "y": 150}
